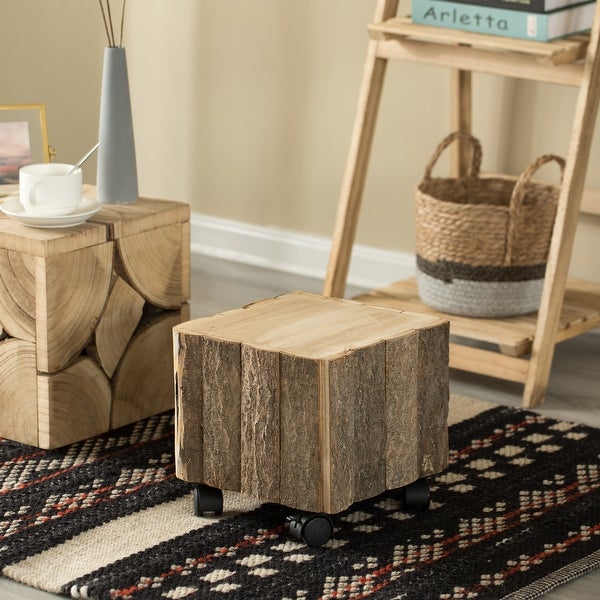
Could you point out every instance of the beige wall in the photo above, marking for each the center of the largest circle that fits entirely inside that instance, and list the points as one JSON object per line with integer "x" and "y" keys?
{"x": 51, "y": 53}
{"x": 244, "y": 108}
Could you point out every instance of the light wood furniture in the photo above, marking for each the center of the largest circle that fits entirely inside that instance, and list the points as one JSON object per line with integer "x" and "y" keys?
{"x": 567, "y": 308}
{"x": 86, "y": 315}
{"x": 311, "y": 402}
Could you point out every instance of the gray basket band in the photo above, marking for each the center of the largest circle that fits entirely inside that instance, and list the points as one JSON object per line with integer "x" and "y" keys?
{"x": 489, "y": 299}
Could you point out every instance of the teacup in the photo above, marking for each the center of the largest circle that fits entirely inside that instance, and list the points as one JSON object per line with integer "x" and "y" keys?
{"x": 50, "y": 189}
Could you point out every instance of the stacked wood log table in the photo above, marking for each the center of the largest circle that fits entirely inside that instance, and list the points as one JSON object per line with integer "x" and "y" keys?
{"x": 310, "y": 402}
{"x": 86, "y": 317}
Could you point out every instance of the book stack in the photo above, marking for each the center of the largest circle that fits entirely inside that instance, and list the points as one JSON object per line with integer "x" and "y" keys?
{"x": 540, "y": 20}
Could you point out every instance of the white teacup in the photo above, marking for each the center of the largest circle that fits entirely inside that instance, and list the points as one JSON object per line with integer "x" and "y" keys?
{"x": 50, "y": 189}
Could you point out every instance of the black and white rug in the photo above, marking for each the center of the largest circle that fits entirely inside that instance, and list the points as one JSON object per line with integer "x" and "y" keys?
{"x": 516, "y": 514}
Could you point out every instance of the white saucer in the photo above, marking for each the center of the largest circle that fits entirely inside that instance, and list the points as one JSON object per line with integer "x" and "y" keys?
{"x": 13, "y": 208}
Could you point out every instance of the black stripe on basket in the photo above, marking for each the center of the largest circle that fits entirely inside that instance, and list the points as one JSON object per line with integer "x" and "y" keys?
{"x": 448, "y": 270}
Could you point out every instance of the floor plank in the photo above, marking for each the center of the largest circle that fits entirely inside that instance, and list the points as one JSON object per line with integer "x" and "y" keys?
{"x": 574, "y": 392}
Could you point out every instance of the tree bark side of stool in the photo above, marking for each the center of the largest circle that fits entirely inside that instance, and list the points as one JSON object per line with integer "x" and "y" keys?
{"x": 417, "y": 405}
{"x": 316, "y": 434}
{"x": 221, "y": 382}
{"x": 301, "y": 430}
{"x": 259, "y": 424}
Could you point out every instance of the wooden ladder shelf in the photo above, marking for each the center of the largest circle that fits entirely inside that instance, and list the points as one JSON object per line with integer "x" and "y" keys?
{"x": 517, "y": 349}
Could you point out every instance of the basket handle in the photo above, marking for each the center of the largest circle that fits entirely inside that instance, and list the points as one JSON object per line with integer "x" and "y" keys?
{"x": 475, "y": 153}
{"x": 518, "y": 194}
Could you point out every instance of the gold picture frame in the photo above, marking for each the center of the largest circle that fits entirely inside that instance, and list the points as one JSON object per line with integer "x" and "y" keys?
{"x": 23, "y": 140}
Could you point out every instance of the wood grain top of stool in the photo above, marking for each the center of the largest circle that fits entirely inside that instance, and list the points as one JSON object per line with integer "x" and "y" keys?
{"x": 310, "y": 325}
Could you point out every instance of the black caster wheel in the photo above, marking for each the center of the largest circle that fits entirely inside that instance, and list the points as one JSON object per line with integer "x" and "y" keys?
{"x": 207, "y": 499}
{"x": 314, "y": 530}
{"x": 416, "y": 495}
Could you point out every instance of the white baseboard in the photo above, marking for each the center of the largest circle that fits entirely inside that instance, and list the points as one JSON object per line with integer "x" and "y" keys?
{"x": 293, "y": 252}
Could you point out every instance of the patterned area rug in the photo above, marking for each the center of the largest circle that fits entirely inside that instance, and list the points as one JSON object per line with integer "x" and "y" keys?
{"x": 516, "y": 514}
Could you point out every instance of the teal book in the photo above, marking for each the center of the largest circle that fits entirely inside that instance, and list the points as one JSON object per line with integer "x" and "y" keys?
{"x": 541, "y": 27}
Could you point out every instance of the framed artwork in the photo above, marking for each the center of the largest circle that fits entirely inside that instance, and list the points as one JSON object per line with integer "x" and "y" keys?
{"x": 23, "y": 141}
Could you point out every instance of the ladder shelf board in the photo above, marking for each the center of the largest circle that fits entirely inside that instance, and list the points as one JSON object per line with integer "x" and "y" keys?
{"x": 514, "y": 335}
{"x": 559, "y": 51}
{"x": 557, "y": 61}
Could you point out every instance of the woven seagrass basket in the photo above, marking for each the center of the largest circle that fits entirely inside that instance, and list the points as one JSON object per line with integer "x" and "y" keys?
{"x": 482, "y": 242}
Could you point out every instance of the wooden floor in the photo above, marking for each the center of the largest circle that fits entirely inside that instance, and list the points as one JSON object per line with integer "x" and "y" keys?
{"x": 574, "y": 392}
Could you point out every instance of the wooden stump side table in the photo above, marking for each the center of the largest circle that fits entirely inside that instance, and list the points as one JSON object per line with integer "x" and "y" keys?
{"x": 311, "y": 402}
{"x": 86, "y": 317}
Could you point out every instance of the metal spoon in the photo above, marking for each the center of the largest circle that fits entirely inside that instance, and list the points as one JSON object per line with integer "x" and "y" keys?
{"x": 84, "y": 158}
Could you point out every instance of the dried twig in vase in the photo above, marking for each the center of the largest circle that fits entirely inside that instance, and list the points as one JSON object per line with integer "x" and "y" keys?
{"x": 122, "y": 21}
{"x": 108, "y": 23}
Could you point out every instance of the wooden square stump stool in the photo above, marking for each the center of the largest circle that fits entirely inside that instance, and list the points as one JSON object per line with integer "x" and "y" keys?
{"x": 86, "y": 318}
{"x": 310, "y": 402}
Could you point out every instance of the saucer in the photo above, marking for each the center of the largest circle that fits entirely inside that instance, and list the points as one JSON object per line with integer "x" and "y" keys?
{"x": 13, "y": 208}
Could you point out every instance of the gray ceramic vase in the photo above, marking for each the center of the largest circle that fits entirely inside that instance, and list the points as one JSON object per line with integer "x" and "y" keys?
{"x": 116, "y": 179}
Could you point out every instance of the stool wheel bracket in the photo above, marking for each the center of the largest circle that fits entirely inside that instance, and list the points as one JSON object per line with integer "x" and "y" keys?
{"x": 416, "y": 495}
{"x": 315, "y": 529}
{"x": 207, "y": 499}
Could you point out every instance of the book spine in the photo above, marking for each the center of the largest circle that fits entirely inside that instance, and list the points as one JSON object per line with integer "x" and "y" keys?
{"x": 497, "y": 21}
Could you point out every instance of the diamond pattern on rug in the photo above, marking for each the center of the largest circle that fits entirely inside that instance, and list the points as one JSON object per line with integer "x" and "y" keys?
{"x": 517, "y": 509}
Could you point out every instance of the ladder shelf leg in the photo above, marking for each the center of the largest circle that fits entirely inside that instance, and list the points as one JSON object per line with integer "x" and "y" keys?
{"x": 565, "y": 225}
{"x": 462, "y": 112}
{"x": 356, "y": 167}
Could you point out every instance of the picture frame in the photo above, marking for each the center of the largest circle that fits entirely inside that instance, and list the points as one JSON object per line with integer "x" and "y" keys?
{"x": 23, "y": 140}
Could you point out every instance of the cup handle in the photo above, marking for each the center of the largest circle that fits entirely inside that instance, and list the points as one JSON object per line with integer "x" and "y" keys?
{"x": 32, "y": 192}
